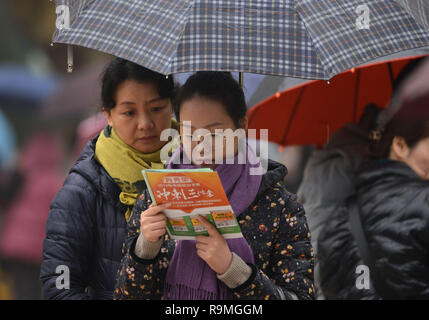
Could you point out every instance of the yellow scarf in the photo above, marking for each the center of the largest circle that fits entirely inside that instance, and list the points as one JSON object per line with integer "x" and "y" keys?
{"x": 125, "y": 164}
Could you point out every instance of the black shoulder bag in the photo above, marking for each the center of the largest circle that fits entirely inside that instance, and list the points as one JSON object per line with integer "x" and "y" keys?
{"x": 356, "y": 229}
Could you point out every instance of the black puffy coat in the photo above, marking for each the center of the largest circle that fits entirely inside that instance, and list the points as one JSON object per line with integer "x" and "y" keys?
{"x": 84, "y": 231}
{"x": 394, "y": 210}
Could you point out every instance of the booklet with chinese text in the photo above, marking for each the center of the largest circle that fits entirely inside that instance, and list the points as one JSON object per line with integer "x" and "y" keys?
{"x": 192, "y": 192}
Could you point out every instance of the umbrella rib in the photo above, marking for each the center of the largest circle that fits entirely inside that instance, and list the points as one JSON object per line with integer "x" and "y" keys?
{"x": 295, "y": 109}
{"x": 356, "y": 96}
{"x": 392, "y": 78}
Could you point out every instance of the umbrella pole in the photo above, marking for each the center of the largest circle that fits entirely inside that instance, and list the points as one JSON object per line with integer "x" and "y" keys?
{"x": 69, "y": 58}
{"x": 241, "y": 79}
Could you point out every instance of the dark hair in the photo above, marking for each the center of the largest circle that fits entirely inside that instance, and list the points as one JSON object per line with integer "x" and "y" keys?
{"x": 411, "y": 130}
{"x": 368, "y": 120}
{"x": 403, "y": 124}
{"x": 215, "y": 85}
{"x": 119, "y": 70}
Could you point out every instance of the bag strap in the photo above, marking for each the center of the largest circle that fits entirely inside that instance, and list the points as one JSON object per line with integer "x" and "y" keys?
{"x": 356, "y": 229}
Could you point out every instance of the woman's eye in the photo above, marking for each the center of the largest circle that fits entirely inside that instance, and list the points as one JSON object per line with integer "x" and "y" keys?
{"x": 214, "y": 135}
{"x": 157, "y": 109}
{"x": 128, "y": 113}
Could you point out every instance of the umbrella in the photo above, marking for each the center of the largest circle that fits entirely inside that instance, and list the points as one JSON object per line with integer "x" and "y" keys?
{"x": 305, "y": 39}
{"x": 76, "y": 97}
{"x": 270, "y": 85}
{"x": 23, "y": 88}
{"x": 309, "y": 113}
{"x": 412, "y": 95}
{"x": 418, "y": 9}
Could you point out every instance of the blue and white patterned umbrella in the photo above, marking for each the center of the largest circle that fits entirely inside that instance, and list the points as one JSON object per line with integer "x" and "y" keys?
{"x": 311, "y": 39}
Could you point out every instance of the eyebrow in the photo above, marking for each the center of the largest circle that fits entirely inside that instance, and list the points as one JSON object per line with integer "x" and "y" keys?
{"x": 207, "y": 126}
{"x": 156, "y": 99}
{"x": 148, "y": 102}
{"x": 127, "y": 102}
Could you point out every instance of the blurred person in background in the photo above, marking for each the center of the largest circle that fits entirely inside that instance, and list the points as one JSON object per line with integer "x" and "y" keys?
{"x": 87, "y": 130}
{"x": 9, "y": 183}
{"x": 23, "y": 227}
{"x": 376, "y": 245}
{"x": 9, "y": 177}
{"x": 330, "y": 174}
{"x": 87, "y": 221}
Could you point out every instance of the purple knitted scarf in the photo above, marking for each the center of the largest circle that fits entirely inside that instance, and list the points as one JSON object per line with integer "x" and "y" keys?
{"x": 188, "y": 276}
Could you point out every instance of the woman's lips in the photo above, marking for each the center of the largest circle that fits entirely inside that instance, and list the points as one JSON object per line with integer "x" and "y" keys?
{"x": 147, "y": 139}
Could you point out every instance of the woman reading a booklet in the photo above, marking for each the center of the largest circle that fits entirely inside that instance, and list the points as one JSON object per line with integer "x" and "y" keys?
{"x": 87, "y": 221}
{"x": 274, "y": 258}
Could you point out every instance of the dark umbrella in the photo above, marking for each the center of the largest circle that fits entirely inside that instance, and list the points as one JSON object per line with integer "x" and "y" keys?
{"x": 412, "y": 98}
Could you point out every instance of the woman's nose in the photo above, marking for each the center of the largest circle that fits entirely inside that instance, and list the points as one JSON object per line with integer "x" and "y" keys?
{"x": 145, "y": 122}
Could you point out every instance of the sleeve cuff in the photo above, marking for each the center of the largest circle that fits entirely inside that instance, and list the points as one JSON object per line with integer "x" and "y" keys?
{"x": 145, "y": 249}
{"x": 139, "y": 263}
{"x": 237, "y": 274}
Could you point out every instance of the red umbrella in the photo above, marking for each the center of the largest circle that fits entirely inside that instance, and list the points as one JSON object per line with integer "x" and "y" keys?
{"x": 309, "y": 113}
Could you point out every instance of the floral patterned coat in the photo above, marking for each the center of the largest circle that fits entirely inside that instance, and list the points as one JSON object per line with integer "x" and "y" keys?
{"x": 276, "y": 229}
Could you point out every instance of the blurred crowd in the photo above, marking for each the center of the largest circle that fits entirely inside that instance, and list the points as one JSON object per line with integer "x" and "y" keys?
{"x": 39, "y": 139}
{"x": 34, "y": 162}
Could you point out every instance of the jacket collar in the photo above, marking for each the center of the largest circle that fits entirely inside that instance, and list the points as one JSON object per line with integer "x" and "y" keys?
{"x": 384, "y": 170}
{"x": 276, "y": 172}
{"x": 95, "y": 174}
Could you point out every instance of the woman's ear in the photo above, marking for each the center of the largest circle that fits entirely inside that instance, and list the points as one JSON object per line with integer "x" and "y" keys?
{"x": 108, "y": 116}
{"x": 399, "y": 149}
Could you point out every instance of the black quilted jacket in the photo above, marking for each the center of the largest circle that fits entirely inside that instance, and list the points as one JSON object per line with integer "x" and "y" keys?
{"x": 394, "y": 209}
{"x": 84, "y": 232}
{"x": 275, "y": 227}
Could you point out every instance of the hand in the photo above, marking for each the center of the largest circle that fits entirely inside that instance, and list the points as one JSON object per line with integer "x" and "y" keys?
{"x": 213, "y": 248}
{"x": 153, "y": 222}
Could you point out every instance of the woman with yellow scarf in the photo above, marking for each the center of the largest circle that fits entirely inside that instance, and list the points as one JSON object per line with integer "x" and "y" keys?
{"x": 87, "y": 219}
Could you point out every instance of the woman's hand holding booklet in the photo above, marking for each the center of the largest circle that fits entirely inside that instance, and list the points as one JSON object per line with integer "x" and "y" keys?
{"x": 189, "y": 193}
